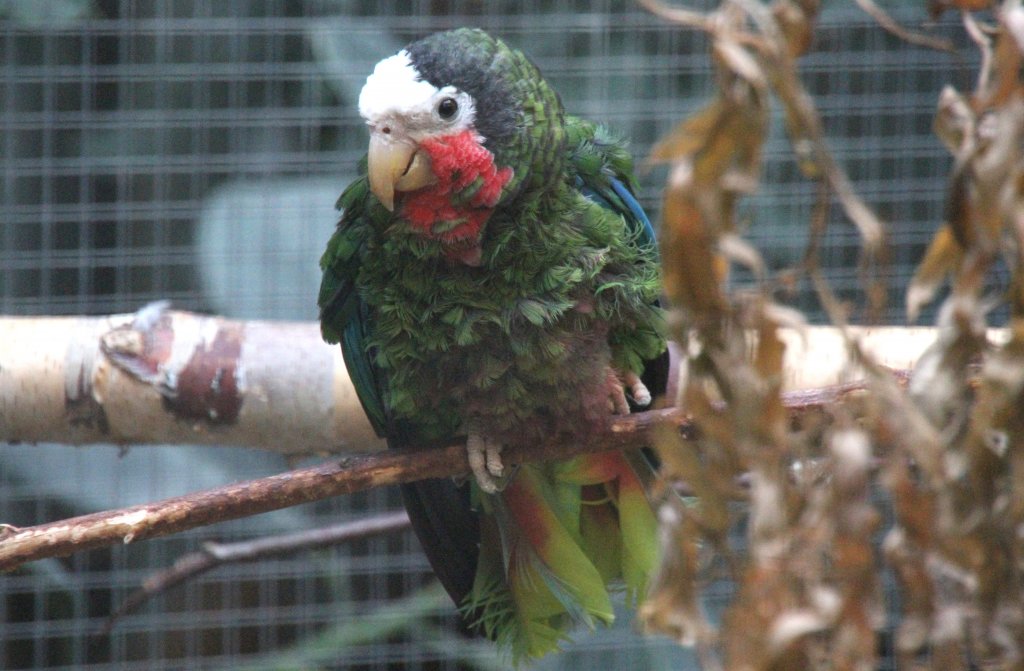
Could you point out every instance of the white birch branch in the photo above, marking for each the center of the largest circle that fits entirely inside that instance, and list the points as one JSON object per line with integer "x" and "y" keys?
{"x": 168, "y": 377}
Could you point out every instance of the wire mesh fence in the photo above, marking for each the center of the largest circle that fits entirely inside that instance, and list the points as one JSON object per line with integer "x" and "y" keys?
{"x": 192, "y": 150}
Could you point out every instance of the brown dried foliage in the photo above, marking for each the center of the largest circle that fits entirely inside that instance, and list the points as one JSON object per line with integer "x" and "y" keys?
{"x": 948, "y": 449}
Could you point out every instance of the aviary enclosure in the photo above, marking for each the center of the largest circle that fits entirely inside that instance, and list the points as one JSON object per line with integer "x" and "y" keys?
{"x": 809, "y": 167}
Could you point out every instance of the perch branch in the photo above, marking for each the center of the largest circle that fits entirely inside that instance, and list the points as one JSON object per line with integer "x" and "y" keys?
{"x": 340, "y": 476}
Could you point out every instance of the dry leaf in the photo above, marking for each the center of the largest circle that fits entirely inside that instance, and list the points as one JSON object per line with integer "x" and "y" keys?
{"x": 1007, "y": 57}
{"x": 954, "y": 119}
{"x": 672, "y": 606}
{"x": 942, "y": 257}
{"x": 951, "y": 454}
{"x": 693, "y": 280}
{"x": 796, "y": 19}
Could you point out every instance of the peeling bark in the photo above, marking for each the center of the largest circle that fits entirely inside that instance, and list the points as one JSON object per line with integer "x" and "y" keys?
{"x": 168, "y": 377}
{"x": 197, "y": 371}
{"x": 161, "y": 376}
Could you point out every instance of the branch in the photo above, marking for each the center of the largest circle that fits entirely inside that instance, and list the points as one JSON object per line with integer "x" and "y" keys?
{"x": 167, "y": 377}
{"x": 342, "y": 476}
{"x": 147, "y": 372}
{"x": 214, "y": 555}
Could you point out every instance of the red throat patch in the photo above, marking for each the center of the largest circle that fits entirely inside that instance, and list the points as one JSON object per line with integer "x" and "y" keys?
{"x": 445, "y": 211}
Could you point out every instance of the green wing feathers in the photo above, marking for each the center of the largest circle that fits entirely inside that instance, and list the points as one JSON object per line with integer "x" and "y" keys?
{"x": 631, "y": 283}
{"x": 343, "y": 314}
{"x": 339, "y": 263}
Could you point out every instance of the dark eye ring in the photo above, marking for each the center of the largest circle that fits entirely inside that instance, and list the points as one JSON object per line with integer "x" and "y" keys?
{"x": 447, "y": 108}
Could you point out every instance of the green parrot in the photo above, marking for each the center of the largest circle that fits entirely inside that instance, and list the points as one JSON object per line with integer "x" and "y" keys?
{"x": 494, "y": 278}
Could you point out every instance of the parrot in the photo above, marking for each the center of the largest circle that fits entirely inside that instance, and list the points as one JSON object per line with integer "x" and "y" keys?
{"x": 494, "y": 279}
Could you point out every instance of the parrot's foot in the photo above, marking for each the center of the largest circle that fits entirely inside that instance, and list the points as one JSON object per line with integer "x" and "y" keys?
{"x": 485, "y": 462}
{"x": 617, "y": 385}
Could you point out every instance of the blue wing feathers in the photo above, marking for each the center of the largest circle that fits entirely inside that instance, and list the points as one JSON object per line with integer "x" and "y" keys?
{"x": 625, "y": 204}
{"x": 634, "y": 207}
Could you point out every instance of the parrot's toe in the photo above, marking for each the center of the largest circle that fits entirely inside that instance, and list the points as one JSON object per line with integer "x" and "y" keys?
{"x": 617, "y": 403}
{"x": 617, "y": 386}
{"x": 485, "y": 462}
{"x": 638, "y": 390}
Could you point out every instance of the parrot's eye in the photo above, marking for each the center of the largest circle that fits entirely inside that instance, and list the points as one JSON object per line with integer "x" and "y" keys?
{"x": 447, "y": 108}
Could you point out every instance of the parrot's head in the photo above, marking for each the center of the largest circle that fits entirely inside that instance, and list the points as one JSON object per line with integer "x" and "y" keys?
{"x": 460, "y": 125}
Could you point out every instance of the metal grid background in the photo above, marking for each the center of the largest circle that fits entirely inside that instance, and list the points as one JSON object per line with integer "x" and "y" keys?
{"x": 192, "y": 150}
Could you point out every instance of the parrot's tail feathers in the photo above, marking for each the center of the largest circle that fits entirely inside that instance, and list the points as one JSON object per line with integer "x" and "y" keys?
{"x": 557, "y": 540}
{"x": 617, "y": 521}
{"x": 639, "y": 532}
{"x": 489, "y": 607}
{"x": 512, "y": 606}
{"x": 546, "y": 514}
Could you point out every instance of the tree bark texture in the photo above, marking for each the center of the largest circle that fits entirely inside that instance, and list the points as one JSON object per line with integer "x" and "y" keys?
{"x": 338, "y": 476}
{"x": 168, "y": 377}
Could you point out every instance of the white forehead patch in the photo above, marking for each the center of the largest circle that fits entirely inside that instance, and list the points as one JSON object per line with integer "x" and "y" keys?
{"x": 394, "y": 86}
{"x": 395, "y": 94}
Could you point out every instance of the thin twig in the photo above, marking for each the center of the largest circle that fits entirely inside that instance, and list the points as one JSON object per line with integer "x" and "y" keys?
{"x": 686, "y": 17}
{"x": 984, "y": 44}
{"x": 214, "y": 555}
{"x": 912, "y": 37}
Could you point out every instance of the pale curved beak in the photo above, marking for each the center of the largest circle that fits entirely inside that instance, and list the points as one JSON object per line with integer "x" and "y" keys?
{"x": 396, "y": 164}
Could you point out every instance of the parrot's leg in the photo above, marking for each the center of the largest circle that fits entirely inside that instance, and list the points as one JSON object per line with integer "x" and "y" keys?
{"x": 485, "y": 461}
{"x": 617, "y": 385}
